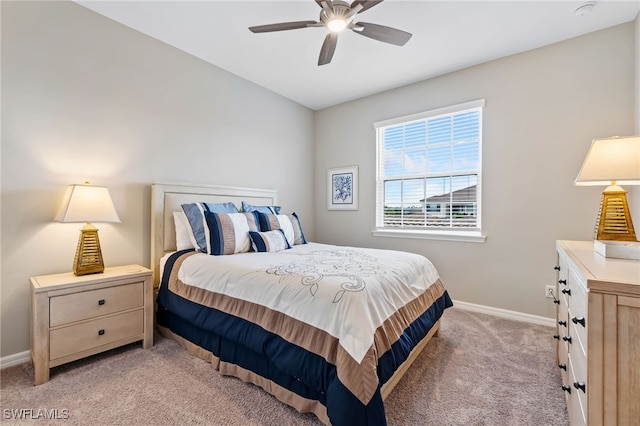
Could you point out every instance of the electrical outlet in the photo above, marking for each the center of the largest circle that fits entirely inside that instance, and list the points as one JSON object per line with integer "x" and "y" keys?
{"x": 550, "y": 292}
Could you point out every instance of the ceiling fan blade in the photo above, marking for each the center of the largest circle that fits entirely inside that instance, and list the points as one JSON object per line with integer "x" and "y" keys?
{"x": 382, "y": 33}
{"x": 366, "y": 4}
{"x": 328, "y": 2}
{"x": 282, "y": 26}
{"x": 328, "y": 47}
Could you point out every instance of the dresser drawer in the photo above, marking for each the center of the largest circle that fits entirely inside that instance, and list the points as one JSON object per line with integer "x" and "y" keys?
{"x": 576, "y": 403}
{"x": 93, "y": 303}
{"x": 563, "y": 318}
{"x": 87, "y": 335}
{"x": 563, "y": 365}
{"x": 578, "y": 316}
{"x": 578, "y": 297}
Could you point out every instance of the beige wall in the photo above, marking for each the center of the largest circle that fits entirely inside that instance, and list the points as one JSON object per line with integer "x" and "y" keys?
{"x": 85, "y": 98}
{"x": 543, "y": 108}
{"x": 634, "y": 191}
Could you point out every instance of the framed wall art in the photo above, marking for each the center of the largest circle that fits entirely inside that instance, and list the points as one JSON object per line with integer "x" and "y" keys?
{"x": 342, "y": 188}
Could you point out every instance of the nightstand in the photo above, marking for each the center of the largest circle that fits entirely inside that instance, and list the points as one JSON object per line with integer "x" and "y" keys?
{"x": 76, "y": 316}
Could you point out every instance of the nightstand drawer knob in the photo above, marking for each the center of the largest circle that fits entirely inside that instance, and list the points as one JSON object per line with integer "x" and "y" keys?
{"x": 566, "y": 291}
{"x": 566, "y": 388}
{"x": 563, "y": 282}
{"x": 580, "y": 385}
{"x": 101, "y": 302}
{"x": 567, "y": 339}
{"x": 100, "y": 332}
{"x": 562, "y": 366}
{"x": 577, "y": 320}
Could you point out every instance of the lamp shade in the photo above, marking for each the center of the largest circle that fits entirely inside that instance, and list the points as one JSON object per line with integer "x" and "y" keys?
{"x": 611, "y": 160}
{"x": 87, "y": 203}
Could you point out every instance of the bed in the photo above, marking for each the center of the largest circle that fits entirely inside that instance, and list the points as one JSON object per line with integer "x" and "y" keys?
{"x": 328, "y": 330}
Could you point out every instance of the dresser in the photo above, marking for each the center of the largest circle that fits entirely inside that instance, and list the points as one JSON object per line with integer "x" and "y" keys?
{"x": 76, "y": 316}
{"x": 598, "y": 333}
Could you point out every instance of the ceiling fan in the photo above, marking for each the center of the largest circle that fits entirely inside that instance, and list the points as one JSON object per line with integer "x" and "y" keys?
{"x": 336, "y": 16}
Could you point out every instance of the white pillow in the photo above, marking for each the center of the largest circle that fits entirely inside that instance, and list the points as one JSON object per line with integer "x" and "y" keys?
{"x": 184, "y": 236}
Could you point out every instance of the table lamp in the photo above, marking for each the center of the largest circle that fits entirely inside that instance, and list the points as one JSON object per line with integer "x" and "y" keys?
{"x": 87, "y": 203}
{"x": 614, "y": 161}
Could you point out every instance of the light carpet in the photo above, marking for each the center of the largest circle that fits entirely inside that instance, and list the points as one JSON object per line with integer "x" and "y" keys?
{"x": 483, "y": 370}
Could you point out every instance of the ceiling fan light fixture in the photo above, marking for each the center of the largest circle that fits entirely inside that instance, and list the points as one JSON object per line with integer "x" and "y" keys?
{"x": 337, "y": 24}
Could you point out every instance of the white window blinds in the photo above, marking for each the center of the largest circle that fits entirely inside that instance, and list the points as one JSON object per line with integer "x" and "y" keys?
{"x": 428, "y": 169}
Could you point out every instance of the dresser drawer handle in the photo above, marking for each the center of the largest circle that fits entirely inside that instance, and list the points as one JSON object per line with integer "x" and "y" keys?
{"x": 101, "y": 302}
{"x": 555, "y": 336}
{"x": 100, "y": 332}
{"x": 561, "y": 322}
{"x": 566, "y": 388}
{"x": 577, "y": 320}
{"x": 563, "y": 282}
{"x": 557, "y": 268}
{"x": 580, "y": 385}
{"x": 562, "y": 367}
{"x": 566, "y": 291}
{"x": 556, "y": 301}
{"x": 567, "y": 339}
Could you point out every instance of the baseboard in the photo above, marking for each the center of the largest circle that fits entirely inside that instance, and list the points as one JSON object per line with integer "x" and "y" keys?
{"x": 504, "y": 313}
{"x": 15, "y": 359}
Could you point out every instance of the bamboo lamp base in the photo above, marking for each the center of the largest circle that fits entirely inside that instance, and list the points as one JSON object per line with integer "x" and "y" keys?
{"x": 614, "y": 219}
{"x": 88, "y": 259}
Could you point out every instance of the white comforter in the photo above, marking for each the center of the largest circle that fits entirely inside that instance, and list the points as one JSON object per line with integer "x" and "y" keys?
{"x": 347, "y": 292}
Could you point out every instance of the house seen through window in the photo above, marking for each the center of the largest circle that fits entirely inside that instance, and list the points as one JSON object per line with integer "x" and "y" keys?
{"x": 429, "y": 169}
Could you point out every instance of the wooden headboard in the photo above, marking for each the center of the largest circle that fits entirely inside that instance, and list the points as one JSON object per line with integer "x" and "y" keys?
{"x": 167, "y": 198}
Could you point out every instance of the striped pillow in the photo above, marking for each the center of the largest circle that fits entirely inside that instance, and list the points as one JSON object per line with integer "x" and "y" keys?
{"x": 228, "y": 233}
{"x": 290, "y": 225}
{"x": 269, "y": 241}
{"x": 195, "y": 213}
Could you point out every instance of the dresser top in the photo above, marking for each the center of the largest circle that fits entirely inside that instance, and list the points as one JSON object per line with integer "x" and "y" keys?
{"x": 602, "y": 273}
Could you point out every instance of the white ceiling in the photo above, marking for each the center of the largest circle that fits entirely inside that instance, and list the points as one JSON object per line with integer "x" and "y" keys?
{"x": 447, "y": 36}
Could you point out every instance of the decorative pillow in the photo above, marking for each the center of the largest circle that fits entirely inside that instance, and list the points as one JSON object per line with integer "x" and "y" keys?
{"x": 184, "y": 236}
{"x": 269, "y": 241}
{"x": 228, "y": 233}
{"x": 246, "y": 207}
{"x": 195, "y": 213}
{"x": 290, "y": 225}
{"x": 297, "y": 229}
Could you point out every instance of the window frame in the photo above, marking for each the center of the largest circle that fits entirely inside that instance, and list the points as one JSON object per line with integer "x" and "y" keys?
{"x": 449, "y": 233}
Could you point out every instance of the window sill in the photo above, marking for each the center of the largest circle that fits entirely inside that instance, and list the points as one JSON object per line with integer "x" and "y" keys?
{"x": 463, "y": 236}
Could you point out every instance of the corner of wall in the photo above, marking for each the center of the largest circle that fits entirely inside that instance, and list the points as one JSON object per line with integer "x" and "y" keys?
{"x": 634, "y": 192}
{"x": 637, "y": 75}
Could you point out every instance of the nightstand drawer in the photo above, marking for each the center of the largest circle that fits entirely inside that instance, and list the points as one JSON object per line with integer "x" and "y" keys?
{"x": 83, "y": 336}
{"x": 90, "y": 304}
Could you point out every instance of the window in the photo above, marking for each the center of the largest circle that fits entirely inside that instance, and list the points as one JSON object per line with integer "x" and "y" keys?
{"x": 429, "y": 173}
